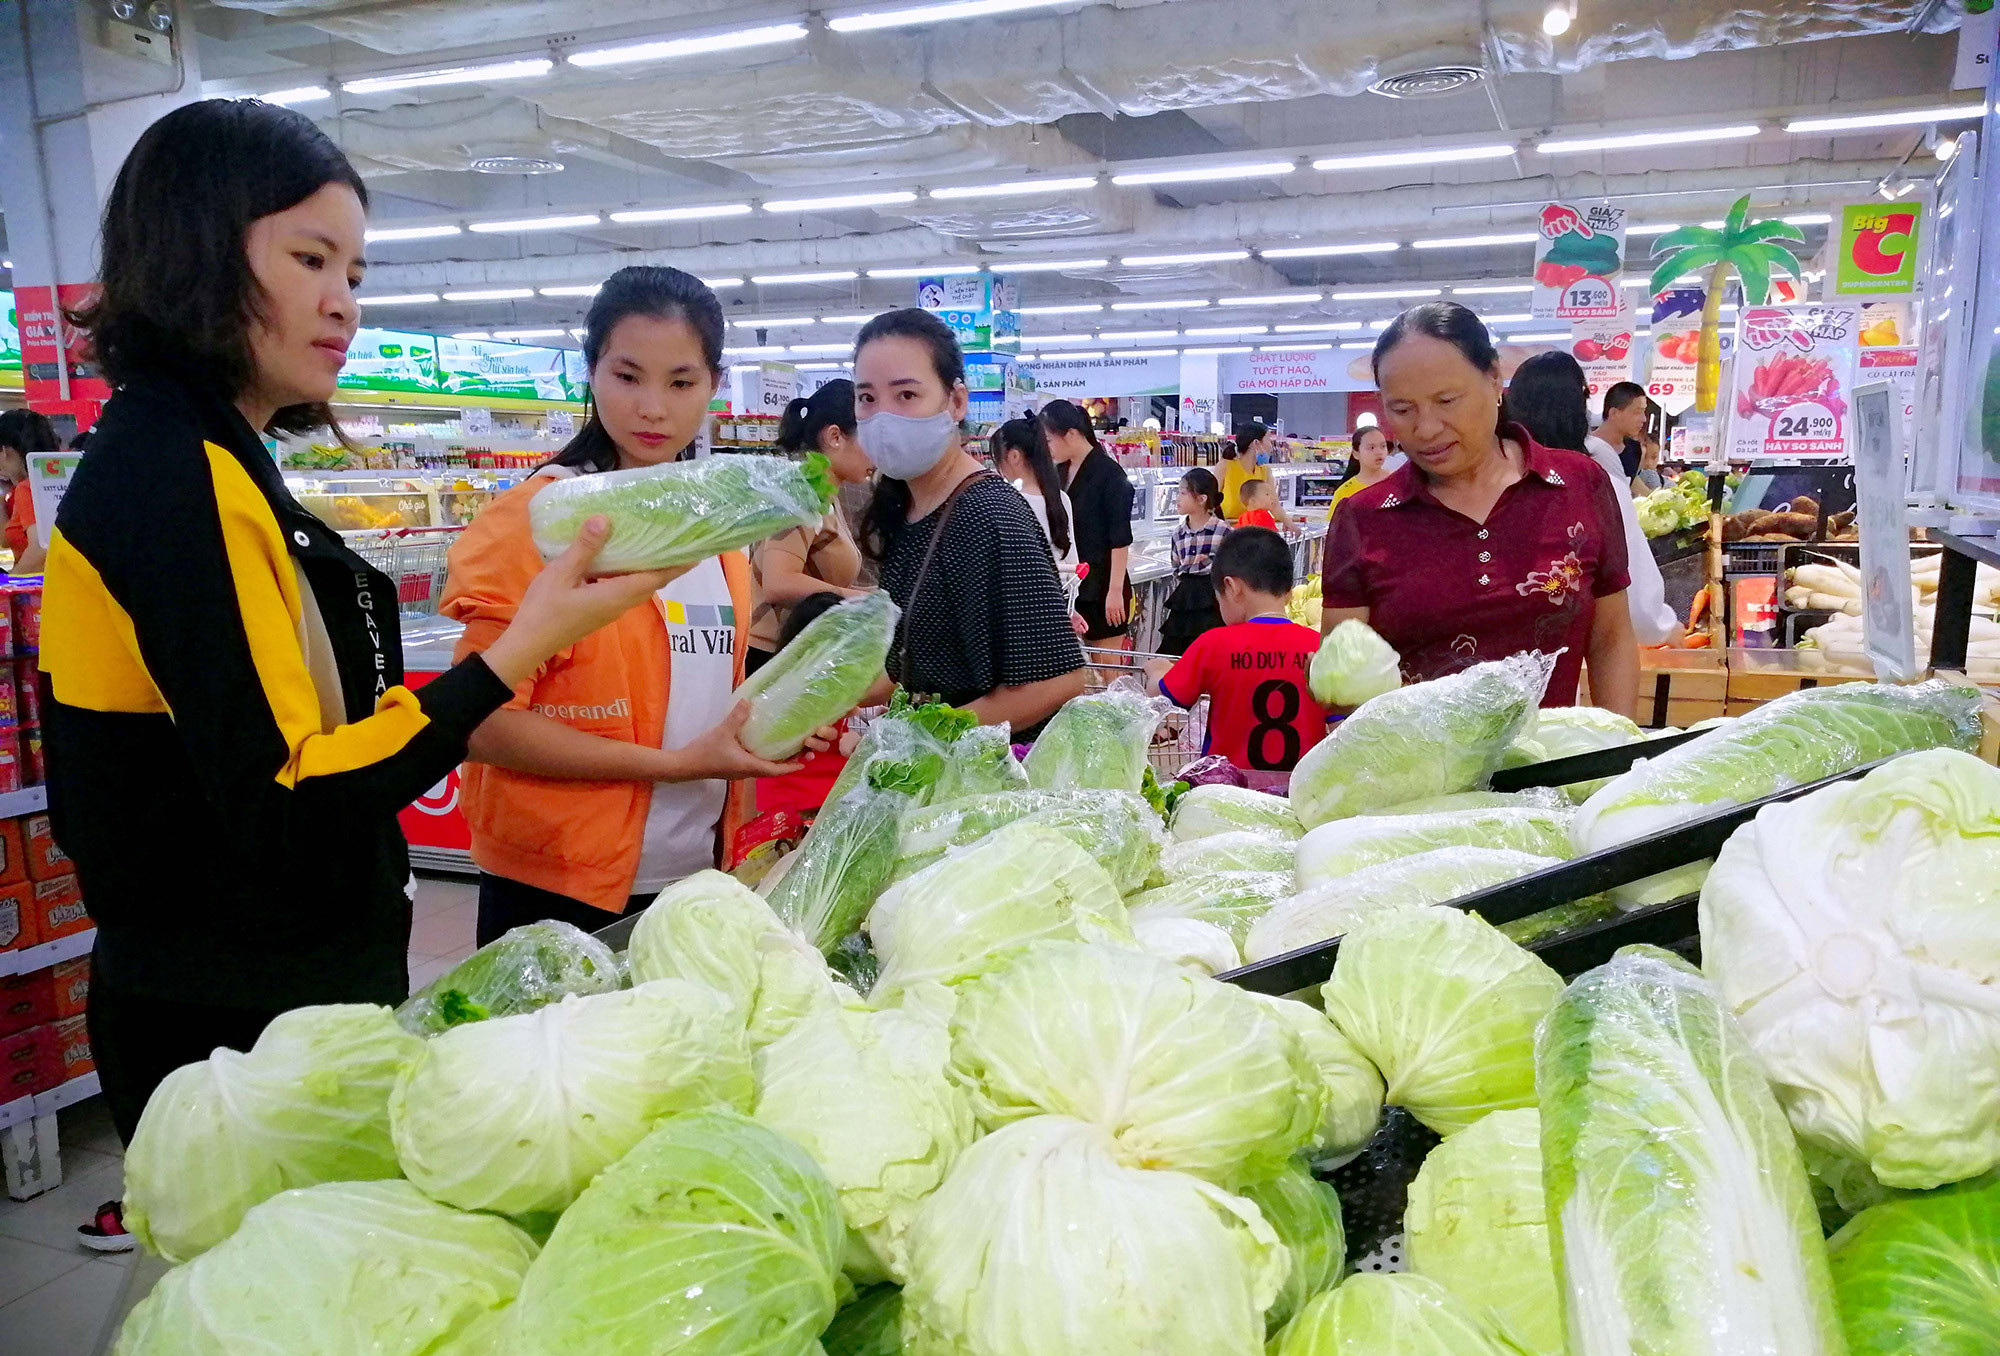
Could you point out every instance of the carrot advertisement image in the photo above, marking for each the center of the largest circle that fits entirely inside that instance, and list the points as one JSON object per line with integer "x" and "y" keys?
{"x": 1577, "y": 262}
{"x": 1794, "y": 372}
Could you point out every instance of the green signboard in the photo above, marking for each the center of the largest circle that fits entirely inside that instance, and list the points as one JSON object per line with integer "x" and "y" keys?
{"x": 10, "y": 335}
{"x": 1877, "y": 250}
{"x": 403, "y": 362}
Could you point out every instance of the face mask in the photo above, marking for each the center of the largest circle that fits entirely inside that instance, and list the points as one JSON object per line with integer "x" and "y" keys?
{"x": 904, "y": 446}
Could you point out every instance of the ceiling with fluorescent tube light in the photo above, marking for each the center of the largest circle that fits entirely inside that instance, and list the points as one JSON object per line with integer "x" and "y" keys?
{"x": 711, "y": 156}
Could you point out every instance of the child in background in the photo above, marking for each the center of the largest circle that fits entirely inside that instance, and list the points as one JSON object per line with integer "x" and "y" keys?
{"x": 1191, "y": 606}
{"x": 1261, "y": 713}
{"x": 804, "y": 791}
{"x": 1260, "y": 506}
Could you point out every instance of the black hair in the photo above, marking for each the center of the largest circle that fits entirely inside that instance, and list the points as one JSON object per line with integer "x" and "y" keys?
{"x": 805, "y": 418}
{"x": 80, "y": 441}
{"x": 662, "y": 294}
{"x": 1620, "y": 394}
{"x": 804, "y": 612}
{"x": 1025, "y": 436}
{"x": 28, "y": 432}
{"x": 1066, "y": 416}
{"x": 1246, "y": 437}
{"x": 1200, "y": 482}
{"x": 1257, "y": 556}
{"x": 1260, "y": 480}
{"x": 1550, "y": 397}
{"x": 1363, "y": 430}
{"x": 1450, "y": 322}
{"x": 174, "y": 282}
{"x": 889, "y": 506}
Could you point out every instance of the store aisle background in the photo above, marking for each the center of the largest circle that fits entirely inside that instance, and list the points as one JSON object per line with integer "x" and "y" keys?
{"x": 54, "y": 1295}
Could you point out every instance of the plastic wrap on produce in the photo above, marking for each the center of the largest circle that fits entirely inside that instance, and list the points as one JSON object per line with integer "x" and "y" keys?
{"x": 843, "y": 865}
{"x": 1187, "y": 942}
{"x": 682, "y": 512}
{"x": 1534, "y": 798}
{"x": 1353, "y": 664}
{"x": 1231, "y": 900}
{"x": 1435, "y": 877}
{"x": 1679, "y": 1205}
{"x": 979, "y": 762}
{"x": 1349, "y": 845}
{"x": 1799, "y": 738}
{"x": 522, "y": 969}
{"x": 1428, "y": 739}
{"x": 819, "y": 677}
{"x": 1208, "y": 810}
{"x": 1117, "y": 828}
{"x": 1098, "y": 740}
{"x": 917, "y": 735}
{"x": 1238, "y": 850}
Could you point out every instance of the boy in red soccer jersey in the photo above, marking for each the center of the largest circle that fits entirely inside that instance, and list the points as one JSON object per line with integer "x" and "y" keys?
{"x": 1252, "y": 668}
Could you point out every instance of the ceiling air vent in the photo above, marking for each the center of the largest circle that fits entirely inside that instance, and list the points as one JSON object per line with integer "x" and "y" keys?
{"x": 516, "y": 164}
{"x": 1428, "y": 83}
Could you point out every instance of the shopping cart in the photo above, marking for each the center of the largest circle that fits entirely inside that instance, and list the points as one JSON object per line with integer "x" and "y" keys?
{"x": 414, "y": 557}
{"x": 1182, "y": 735}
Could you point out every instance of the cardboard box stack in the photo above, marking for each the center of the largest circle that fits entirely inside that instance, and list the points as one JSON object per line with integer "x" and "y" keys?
{"x": 20, "y": 697}
{"x": 44, "y": 1040}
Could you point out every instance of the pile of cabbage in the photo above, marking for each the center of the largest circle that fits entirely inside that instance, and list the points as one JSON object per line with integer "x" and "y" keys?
{"x": 962, "y": 1083}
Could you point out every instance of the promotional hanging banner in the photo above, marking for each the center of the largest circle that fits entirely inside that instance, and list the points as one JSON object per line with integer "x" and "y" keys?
{"x": 1792, "y": 381}
{"x": 1875, "y": 252}
{"x": 1603, "y": 348}
{"x": 1577, "y": 262}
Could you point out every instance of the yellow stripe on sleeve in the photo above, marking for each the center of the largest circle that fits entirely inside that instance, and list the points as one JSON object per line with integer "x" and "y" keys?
{"x": 90, "y": 649}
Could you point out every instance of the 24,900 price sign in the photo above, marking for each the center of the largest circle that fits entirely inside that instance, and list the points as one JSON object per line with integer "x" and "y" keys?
{"x": 1792, "y": 381}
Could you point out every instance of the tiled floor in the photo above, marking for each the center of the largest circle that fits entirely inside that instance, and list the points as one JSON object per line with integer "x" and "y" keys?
{"x": 55, "y": 1296}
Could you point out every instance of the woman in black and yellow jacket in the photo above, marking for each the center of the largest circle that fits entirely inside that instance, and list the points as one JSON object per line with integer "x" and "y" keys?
{"x": 227, "y": 733}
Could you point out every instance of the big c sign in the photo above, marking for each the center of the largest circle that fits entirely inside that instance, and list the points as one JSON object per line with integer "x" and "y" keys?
{"x": 1877, "y": 249}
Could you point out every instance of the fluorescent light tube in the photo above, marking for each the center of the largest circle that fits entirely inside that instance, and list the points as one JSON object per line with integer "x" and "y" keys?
{"x": 666, "y": 49}
{"x": 566, "y": 222}
{"x": 1210, "y": 174}
{"x": 1320, "y": 251}
{"x": 1014, "y": 187}
{"x": 840, "y": 201}
{"x": 1687, "y": 136}
{"x": 524, "y": 69}
{"x": 382, "y": 234}
{"x": 702, "y": 212}
{"x": 1908, "y": 117}
{"x": 1437, "y": 155}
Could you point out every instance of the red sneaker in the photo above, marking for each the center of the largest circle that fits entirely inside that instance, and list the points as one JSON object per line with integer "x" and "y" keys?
{"x": 106, "y": 1232}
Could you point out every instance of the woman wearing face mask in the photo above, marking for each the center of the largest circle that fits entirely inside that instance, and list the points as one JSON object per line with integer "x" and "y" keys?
{"x": 617, "y": 767}
{"x": 227, "y": 733}
{"x": 984, "y": 622}
{"x": 805, "y": 562}
{"x": 1486, "y": 543}
{"x": 1101, "y": 493}
{"x": 1243, "y": 462}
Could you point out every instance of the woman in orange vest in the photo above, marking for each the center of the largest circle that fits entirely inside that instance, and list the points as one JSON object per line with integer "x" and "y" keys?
{"x": 618, "y": 767}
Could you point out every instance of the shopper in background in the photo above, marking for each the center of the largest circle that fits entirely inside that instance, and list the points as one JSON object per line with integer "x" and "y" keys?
{"x": 803, "y": 562}
{"x": 1101, "y": 494}
{"x": 1648, "y": 478}
{"x": 1261, "y": 507}
{"x": 1021, "y": 455}
{"x": 984, "y": 623}
{"x": 1549, "y": 396}
{"x": 1370, "y": 465}
{"x": 1191, "y": 607}
{"x": 23, "y": 434}
{"x": 227, "y": 733}
{"x": 1261, "y": 712}
{"x": 1242, "y": 463}
{"x": 1486, "y": 543}
{"x": 1621, "y": 434}
{"x": 617, "y": 767}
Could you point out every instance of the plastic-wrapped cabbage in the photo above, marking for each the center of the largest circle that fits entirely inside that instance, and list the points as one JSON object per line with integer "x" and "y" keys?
{"x": 1922, "y": 1275}
{"x": 1098, "y": 740}
{"x": 1306, "y": 1216}
{"x": 715, "y": 1236}
{"x": 1185, "y": 1073}
{"x": 346, "y": 1267}
{"x": 1329, "y": 909}
{"x": 980, "y": 762}
{"x": 1565, "y": 731}
{"x": 1553, "y": 922}
{"x": 308, "y": 1103}
{"x": 684, "y": 511}
{"x": 1043, "y": 1241}
{"x": 843, "y": 865}
{"x": 1679, "y": 1205}
{"x": 819, "y": 677}
{"x": 871, "y": 1325}
{"x": 1187, "y": 942}
{"x": 1231, "y": 900}
{"x": 1428, "y": 739}
{"x": 1389, "y": 1314}
{"x": 1117, "y": 828}
{"x": 522, "y": 969}
{"x": 1477, "y": 1224}
{"x": 1352, "y": 665}
{"x": 1240, "y": 850}
{"x": 1446, "y": 1008}
{"x": 1855, "y": 934}
{"x": 1353, "y": 1085}
{"x": 917, "y": 738}
{"x": 517, "y": 1114}
{"x": 977, "y": 908}
{"x": 871, "y": 1097}
{"x": 1534, "y": 798}
{"x": 1348, "y": 845}
{"x": 712, "y": 929}
{"x": 1799, "y": 738}
{"x": 1209, "y": 810}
